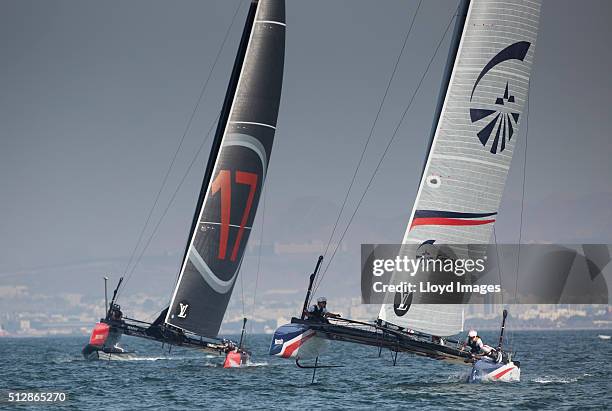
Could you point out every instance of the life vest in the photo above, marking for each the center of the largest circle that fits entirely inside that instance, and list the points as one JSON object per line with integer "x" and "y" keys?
{"x": 475, "y": 345}
{"x": 317, "y": 314}
{"x": 316, "y": 311}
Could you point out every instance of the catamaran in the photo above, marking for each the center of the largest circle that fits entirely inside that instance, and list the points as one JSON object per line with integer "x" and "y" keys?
{"x": 226, "y": 207}
{"x": 479, "y": 110}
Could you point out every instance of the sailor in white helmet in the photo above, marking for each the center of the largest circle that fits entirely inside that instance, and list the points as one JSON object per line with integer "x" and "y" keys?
{"x": 476, "y": 345}
{"x": 318, "y": 311}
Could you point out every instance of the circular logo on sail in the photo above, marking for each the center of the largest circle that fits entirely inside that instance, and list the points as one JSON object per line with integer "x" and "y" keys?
{"x": 229, "y": 211}
{"x": 402, "y": 303}
{"x": 500, "y": 121}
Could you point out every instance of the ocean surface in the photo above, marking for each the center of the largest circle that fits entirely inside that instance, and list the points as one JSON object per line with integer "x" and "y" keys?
{"x": 560, "y": 370}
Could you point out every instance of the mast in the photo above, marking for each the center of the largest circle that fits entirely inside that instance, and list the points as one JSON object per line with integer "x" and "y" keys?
{"x": 244, "y": 321}
{"x": 501, "y": 332}
{"x": 460, "y": 17}
{"x": 105, "y": 295}
{"x": 469, "y": 155}
{"x": 310, "y": 283}
{"x": 234, "y": 175}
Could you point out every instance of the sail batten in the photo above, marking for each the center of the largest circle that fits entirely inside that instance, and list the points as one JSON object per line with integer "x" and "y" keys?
{"x": 235, "y": 175}
{"x": 473, "y": 140}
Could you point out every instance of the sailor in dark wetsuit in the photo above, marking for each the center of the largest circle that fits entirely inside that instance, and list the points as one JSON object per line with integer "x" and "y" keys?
{"x": 476, "y": 345}
{"x": 115, "y": 313}
{"x": 318, "y": 312}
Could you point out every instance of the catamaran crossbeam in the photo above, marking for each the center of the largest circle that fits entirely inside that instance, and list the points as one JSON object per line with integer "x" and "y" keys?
{"x": 106, "y": 333}
{"x": 305, "y": 339}
{"x": 297, "y": 340}
{"x": 104, "y": 340}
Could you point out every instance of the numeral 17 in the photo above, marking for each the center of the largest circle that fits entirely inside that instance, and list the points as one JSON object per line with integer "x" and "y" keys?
{"x": 223, "y": 183}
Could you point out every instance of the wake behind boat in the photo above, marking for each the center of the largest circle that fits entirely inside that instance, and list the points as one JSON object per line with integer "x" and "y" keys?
{"x": 226, "y": 207}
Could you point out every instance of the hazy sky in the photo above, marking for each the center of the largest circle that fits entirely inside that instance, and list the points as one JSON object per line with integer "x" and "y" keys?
{"x": 94, "y": 97}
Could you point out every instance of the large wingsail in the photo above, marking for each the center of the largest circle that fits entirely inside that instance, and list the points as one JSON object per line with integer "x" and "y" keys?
{"x": 473, "y": 141}
{"x": 235, "y": 175}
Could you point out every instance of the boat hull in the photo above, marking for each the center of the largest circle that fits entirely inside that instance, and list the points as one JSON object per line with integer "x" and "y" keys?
{"x": 106, "y": 335}
{"x": 236, "y": 359}
{"x": 297, "y": 341}
{"x": 91, "y": 352}
{"x": 104, "y": 344}
{"x": 487, "y": 370}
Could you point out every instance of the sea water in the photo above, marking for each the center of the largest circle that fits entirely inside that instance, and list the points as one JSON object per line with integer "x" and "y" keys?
{"x": 560, "y": 370}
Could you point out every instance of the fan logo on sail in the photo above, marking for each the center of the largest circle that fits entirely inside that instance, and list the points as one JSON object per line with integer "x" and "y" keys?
{"x": 501, "y": 121}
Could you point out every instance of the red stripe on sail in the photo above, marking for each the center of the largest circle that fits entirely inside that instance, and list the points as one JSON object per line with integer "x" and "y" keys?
{"x": 447, "y": 221}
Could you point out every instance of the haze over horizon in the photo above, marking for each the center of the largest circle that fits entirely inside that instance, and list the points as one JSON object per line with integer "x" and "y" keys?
{"x": 97, "y": 95}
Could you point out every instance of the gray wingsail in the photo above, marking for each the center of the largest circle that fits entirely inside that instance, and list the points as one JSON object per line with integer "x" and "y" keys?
{"x": 235, "y": 175}
{"x": 473, "y": 141}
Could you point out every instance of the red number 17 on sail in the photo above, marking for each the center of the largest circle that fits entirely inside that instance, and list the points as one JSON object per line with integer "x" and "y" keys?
{"x": 223, "y": 183}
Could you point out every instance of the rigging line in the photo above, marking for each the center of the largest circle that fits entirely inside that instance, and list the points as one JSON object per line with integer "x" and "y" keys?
{"x": 185, "y": 132}
{"x": 193, "y": 160}
{"x": 518, "y": 257}
{"x": 242, "y": 295}
{"x": 382, "y": 102}
{"x": 387, "y": 147}
{"x": 498, "y": 265}
{"x": 156, "y": 313}
{"x": 261, "y": 237}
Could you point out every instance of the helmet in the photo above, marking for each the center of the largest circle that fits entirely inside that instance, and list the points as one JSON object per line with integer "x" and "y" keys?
{"x": 321, "y": 300}
{"x": 472, "y": 333}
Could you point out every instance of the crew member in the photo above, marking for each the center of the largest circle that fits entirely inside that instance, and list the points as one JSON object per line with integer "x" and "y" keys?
{"x": 230, "y": 346}
{"x": 318, "y": 312}
{"x": 436, "y": 340}
{"x": 115, "y": 313}
{"x": 476, "y": 345}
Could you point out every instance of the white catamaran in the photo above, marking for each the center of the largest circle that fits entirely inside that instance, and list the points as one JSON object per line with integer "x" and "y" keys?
{"x": 481, "y": 102}
{"x": 225, "y": 212}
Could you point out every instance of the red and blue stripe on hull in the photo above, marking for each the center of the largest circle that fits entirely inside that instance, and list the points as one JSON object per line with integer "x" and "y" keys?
{"x": 288, "y": 339}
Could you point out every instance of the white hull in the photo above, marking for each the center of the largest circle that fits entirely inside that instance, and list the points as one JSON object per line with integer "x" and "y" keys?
{"x": 297, "y": 341}
{"x": 488, "y": 371}
{"x": 101, "y": 355}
